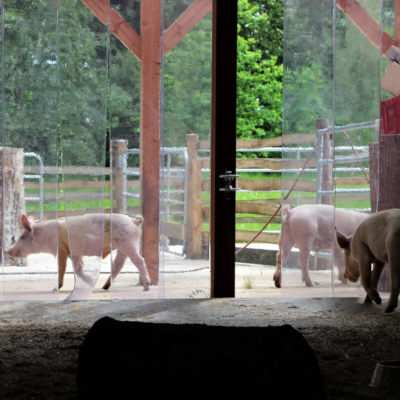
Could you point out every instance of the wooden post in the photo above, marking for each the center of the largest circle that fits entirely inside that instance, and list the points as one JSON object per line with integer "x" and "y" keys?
{"x": 374, "y": 175}
{"x": 150, "y": 32}
{"x": 119, "y": 148}
{"x": 12, "y": 203}
{"x": 324, "y": 163}
{"x": 194, "y": 220}
{"x": 397, "y": 20}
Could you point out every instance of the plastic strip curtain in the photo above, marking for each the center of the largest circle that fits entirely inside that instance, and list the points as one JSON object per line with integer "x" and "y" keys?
{"x": 29, "y": 132}
{"x": 357, "y": 95}
{"x": 308, "y": 217}
{"x": 85, "y": 188}
{"x": 54, "y": 61}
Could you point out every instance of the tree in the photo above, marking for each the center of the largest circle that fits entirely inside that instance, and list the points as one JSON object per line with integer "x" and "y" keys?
{"x": 259, "y": 104}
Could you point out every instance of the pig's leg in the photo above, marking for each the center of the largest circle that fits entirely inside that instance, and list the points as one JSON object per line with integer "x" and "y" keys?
{"x": 393, "y": 264}
{"x": 117, "y": 265}
{"x": 366, "y": 278}
{"x": 281, "y": 257}
{"x": 133, "y": 253}
{"x": 304, "y": 258}
{"x": 62, "y": 265}
{"x": 78, "y": 265}
{"x": 376, "y": 273}
{"x": 339, "y": 262}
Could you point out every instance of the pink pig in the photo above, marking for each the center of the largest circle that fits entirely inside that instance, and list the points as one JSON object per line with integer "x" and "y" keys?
{"x": 312, "y": 227}
{"x": 85, "y": 235}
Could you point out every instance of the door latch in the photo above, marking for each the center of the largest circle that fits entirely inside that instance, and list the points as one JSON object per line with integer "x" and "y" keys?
{"x": 229, "y": 180}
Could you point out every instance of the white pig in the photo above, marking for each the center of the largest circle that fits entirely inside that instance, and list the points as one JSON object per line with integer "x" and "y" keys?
{"x": 85, "y": 235}
{"x": 376, "y": 241}
{"x": 312, "y": 227}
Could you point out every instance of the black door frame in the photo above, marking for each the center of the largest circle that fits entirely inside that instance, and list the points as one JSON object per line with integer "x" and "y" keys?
{"x": 223, "y": 147}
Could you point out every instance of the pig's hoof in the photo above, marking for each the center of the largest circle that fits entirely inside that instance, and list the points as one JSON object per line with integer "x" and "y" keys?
{"x": 106, "y": 286}
{"x": 389, "y": 309}
{"x": 367, "y": 300}
{"x": 277, "y": 281}
{"x": 308, "y": 282}
{"x": 378, "y": 299}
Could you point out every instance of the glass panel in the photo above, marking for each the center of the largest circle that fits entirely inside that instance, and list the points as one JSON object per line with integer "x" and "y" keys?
{"x": 54, "y": 98}
{"x": 357, "y": 77}
{"x": 29, "y": 108}
{"x": 124, "y": 154}
{"x": 84, "y": 85}
{"x": 71, "y": 100}
{"x": 184, "y": 195}
{"x": 307, "y": 215}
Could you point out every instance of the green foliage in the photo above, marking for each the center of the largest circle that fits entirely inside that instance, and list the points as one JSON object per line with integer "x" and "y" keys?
{"x": 66, "y": 82}
{"x": 259, "y": 77}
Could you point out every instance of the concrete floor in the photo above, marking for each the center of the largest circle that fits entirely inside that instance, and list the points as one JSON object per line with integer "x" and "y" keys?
{"x": 179, "y": 279}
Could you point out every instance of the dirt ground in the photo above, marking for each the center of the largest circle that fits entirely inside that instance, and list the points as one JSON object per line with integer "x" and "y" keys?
{"x": 39, "y": 342}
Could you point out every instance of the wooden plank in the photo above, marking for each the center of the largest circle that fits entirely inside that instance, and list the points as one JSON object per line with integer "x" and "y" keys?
{"x": 76, "y": 196}
{"x": 256, "y": 220}
{"x": 173, "y": 230}
{"x": 366, "y": 24}
{"x": 389, "y": 172}
{"x": 275, "y": 184}
{"x": 194, "y": 218}
{"x": 73, "y": 184}
{"x": 193, "y": 14}
{"x": 257, "y": 207}
{"x": 11, "y": 201}
{"x": 265, "y": 237}
{"x": 204, "y": 162}
{"x": 275, "y": 164}
{"x": 151, "y": 17}
{"x": 374, "y": 174}
{"x": 69, "y": 213}
{"x": 117, "y": 25}
{"x": 69, "y": 170}
{"x": 397, "y": 20}
{"x": 351, "y": 181}
{"x": 280, "y": 141}
{"x": 119, "y": 148}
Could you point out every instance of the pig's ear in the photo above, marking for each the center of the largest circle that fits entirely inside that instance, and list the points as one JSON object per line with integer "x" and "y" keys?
{"x": 26, "y": 222}
{"x": 343, "y": 241}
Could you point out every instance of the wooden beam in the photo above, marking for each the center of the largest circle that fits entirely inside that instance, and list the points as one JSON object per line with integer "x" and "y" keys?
{"x": 397, "y": 20}
{"x": 117, "y": 25}
{"x": 185, "y": 23}
{"x": 366, "y": 24}
{"x": 151, "y": 52}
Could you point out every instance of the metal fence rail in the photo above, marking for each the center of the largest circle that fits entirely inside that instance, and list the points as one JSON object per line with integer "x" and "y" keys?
{"x": 40, "y": 178}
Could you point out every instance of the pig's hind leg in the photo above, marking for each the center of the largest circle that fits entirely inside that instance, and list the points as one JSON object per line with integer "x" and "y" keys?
{"x": 62, "y": 265}
{"x": 78, "y": 265}
{"x": 339, "y": 259}
{"x": 116, "y": 267}
{"x": 368, "y": 278}
{"x": 132, "y": 252}
{"x": 285, "y": 245}
{"x": 304, "y": 258}
{"x": 393, "y": 264}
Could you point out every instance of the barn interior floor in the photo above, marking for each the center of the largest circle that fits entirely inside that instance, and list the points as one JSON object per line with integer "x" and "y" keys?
{"x": 39, "y": 341}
